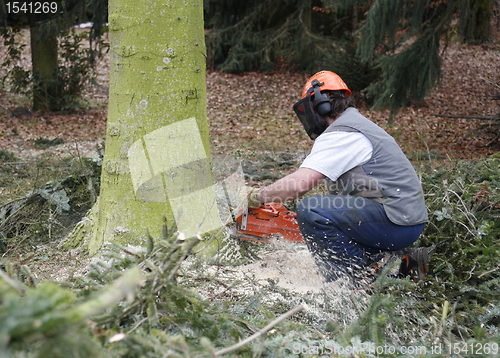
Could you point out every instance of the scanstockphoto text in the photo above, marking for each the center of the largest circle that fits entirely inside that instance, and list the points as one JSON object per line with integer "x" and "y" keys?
{"x": 332, "y": 202}
{"x": 365, "y": 348}
{"x": 334, "y": 199}
{"x": 369, "y": 348}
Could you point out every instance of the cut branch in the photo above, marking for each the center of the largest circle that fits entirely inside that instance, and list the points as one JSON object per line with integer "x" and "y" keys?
{"x": 262, "y": 331}
{"x": 465, "y": 117}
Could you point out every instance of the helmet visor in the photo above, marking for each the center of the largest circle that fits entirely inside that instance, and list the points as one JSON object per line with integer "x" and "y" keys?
{"x": 309, "y": 119}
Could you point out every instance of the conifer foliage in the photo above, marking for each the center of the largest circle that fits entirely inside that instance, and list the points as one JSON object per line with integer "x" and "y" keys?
{"x": 397, "y": 43}
{"x": 285, "y": 35}
{"x": 403, "y": 38}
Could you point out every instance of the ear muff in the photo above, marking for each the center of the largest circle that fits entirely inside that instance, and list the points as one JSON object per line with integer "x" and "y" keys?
{"x": 321, "y": 103}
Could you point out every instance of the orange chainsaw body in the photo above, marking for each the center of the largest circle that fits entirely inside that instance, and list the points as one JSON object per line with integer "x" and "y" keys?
{"x": 267, "y": 221}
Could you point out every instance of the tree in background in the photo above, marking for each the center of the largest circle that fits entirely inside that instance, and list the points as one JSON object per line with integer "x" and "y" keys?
{"x": 55, "y": 82}
{"x": 474, "y": 22}
{"x": 44, "y": 30}
{"x": 403, "y": 39}
{"x": 300, "y": 35}
{"x": 389, "y": 49}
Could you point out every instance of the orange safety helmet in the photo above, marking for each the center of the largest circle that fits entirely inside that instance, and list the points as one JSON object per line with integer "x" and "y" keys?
{"x": 309, "y": 108}
{"x": 331, "y": 82}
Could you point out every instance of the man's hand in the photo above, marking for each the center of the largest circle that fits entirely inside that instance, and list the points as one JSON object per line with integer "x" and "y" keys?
{"x": 253, "y": 202}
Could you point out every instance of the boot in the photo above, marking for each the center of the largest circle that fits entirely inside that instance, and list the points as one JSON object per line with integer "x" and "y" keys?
{"x": 415, "y": 263}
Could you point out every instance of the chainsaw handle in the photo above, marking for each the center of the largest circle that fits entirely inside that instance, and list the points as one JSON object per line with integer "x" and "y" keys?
{"x": 264, "y": 210}
{"x": 271, "y": 208}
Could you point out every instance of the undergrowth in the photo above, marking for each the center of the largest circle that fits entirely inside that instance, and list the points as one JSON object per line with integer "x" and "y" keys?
{"x": 63, "y": 91}
{"x": 464, "y": 236}
{"x": 159, "y": 301}
{"x": 43, "y": 198}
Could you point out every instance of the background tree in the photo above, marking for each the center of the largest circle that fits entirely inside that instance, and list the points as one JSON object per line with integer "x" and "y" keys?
{"x": 48, "y": 78}
{"x": 156, "y": 161}
{"x": 301, "y": 35}
{"x": 403, "y": 38}
{"x": 44, "y": 30}
{"x": 389, "y": 49}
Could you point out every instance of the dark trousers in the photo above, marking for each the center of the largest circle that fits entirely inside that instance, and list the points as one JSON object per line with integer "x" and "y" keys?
{"x": 343, "y": 232}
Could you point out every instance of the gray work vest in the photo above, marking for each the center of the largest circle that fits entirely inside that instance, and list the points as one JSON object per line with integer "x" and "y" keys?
{"x": 388, "y": 177}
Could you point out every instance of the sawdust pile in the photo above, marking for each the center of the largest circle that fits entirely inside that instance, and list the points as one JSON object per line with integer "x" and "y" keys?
{"x": 293, "y": 266}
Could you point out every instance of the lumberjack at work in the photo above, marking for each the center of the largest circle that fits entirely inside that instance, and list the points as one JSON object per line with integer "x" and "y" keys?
{"x": 375, "y": 208}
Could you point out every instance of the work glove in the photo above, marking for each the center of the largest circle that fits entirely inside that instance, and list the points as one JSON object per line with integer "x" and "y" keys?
{"x": 253, "y": 202}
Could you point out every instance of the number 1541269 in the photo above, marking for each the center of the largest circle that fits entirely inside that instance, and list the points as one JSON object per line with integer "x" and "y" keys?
{"x": 25, "y": 7}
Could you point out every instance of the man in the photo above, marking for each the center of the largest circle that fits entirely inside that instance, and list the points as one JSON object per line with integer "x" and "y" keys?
{"x": 376, "y": 207}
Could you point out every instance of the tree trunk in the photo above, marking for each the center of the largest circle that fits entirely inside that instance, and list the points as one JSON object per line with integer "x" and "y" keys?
{"x": 353, "y": 18}
{"x": 44, "y": 61}
{"x": 156, "y": 161}
{"x": 481, "y": 12}
{"x": 307, "y": 15}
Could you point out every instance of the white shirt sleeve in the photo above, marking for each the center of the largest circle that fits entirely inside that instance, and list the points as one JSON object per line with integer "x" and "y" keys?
{"x": 335, "y": 153}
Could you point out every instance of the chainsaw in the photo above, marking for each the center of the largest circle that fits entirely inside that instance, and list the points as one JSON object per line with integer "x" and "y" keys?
{"x": 268, "y": 222}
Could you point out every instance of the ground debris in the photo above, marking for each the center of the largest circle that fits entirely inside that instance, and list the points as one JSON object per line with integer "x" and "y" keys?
{"x": 45, "y": 213}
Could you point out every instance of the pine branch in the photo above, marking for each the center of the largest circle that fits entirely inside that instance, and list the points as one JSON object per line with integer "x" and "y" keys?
{"x": 19, "y": 287}
{"x": 262, "y": 331}
{"x": 125, "y": 287}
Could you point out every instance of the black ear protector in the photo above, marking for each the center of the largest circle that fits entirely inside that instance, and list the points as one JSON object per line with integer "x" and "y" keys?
{"x": 321, "y": 103}
{"x": 312, "y": 111}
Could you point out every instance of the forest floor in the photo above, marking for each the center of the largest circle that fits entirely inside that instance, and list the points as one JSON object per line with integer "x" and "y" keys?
{"x": 251, "y": 114}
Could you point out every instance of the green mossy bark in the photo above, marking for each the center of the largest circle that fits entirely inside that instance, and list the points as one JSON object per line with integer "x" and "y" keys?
{"x": 157, "y": 78}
